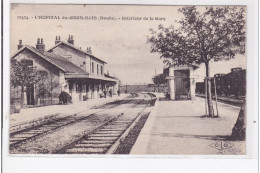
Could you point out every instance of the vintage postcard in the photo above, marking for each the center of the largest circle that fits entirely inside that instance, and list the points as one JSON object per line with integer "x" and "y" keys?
{"x": 128, "y": 80}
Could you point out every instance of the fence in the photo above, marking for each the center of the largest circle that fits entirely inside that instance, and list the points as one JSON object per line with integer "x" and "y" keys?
{"x": 141, "y": 88}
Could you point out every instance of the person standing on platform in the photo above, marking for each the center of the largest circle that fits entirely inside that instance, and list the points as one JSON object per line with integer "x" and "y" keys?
{"x": 105, "y": 93}
{"x": 110, "y": 92}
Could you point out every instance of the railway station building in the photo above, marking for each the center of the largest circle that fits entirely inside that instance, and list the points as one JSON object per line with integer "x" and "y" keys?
{"x": 68, "y": 68}
{"x": 181, "y": 81}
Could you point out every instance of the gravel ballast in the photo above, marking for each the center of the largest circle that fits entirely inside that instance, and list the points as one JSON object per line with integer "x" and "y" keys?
{"x": 127, "y": 144}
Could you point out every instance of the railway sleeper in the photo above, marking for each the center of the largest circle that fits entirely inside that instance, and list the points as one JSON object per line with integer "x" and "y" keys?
{"x": 128, "y": 118}
{"x": 96, "y": 142}
{"x": 105, "y": 135}
{"x": 116, "y": 126}
{"x": 24, "y": 135}
{"x": 92, "y": 153}
{"x": 108, "y": 132}
{"x": 53, "y": 125}
{"x": 45, "y": 128}
{"x": 64, "y": 123}
{"x": 118, "y": 123}
{"x": 39, "y": 131}
{"x": 103, "y": 138}
{"x": 86, "y": 150}
{"x": 113, "y": 128}
{"x": 33, "y": 132}
{"x": 121, "y": 130}
{"x": 12, "y": 142}
{"x": 17, "y": 139}
{"x": 105, "y": 145}
{"x": 122, "y": 121}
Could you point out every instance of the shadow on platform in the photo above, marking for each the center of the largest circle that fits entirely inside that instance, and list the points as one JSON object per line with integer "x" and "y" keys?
{"x": 206, "y": 137}
{"x": 177, "y": 99}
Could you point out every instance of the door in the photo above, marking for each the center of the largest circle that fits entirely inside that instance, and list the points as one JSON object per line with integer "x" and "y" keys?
{"x": 92, "y": 91}
{"x": 178, "y": 86}
{"x": 30, "y": 94}
{"x": 182, "y": 83}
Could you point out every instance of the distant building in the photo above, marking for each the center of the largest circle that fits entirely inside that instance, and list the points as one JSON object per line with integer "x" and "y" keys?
{"x": 181, "y": 81}
{"x": 76, "y": 71}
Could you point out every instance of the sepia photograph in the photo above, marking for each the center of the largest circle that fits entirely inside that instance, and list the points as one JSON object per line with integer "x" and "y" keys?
{"x": 128, "y": 80}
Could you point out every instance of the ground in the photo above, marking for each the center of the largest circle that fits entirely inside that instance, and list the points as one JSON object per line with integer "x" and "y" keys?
{"x": 102, "y": 125}
{"x": 172, "y": 127}
{"x": 177, "y": 127}
{"x": 30, "y": 114}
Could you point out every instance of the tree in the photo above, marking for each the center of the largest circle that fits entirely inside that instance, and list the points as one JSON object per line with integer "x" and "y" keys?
{"x": 239, "y": 129}
{"x": 41, "y": 88}
{"x": 203, "y": 36}
{"x": 159, "y": 79}
{"x": 23, "y": 74}
{"x": 51, "y": 84}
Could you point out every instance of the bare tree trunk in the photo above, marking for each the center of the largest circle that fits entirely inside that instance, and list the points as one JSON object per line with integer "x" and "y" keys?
{"x": 239, "y": 129}
{"x": 209, "y": 98}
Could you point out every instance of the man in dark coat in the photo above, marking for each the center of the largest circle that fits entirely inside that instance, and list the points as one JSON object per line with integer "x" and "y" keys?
{"x": 105, "y": 93}
{"x": 110, "y": 92}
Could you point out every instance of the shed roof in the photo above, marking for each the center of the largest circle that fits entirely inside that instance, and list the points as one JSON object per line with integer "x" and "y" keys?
{"x": 174, "y": 65}
{"x": 88, "y": 76}
{"x": 106, "y": 75}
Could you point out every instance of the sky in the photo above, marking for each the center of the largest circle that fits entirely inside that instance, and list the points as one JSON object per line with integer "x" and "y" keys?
{"x": 121, "y": 43}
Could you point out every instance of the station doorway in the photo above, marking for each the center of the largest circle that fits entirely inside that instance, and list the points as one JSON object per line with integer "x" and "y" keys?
{"x": 30, "y": 94}
{"x": 182, "y": 84}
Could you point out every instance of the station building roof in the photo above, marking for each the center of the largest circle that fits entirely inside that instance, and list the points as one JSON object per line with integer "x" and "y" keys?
{"x": 56, "y": 60}
{"x": 74, "y": 47}
{"x": 71, "y": 71}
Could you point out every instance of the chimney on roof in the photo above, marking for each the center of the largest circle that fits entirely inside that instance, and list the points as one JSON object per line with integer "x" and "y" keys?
{"x": 40, "y": 46}
{"x": 70, "y": 40}
{"x": 20, "y": 45}
{"x": 57, "y": 40}
{"x": 89, "y": 50}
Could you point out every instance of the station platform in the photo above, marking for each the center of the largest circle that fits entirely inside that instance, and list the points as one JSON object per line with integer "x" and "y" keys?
{"x": 30, "y": 114}
{"x": 178, "y": 128}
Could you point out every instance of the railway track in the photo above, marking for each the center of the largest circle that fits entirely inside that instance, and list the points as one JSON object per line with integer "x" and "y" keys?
{"x": 117, "y": 102}
{"x": 19, "y": 136}
{"x": 52, "y": 118}
{"x": 23, "y": 136}
{"x": 105, "y": 138}
{"x": 234, "y": 102}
